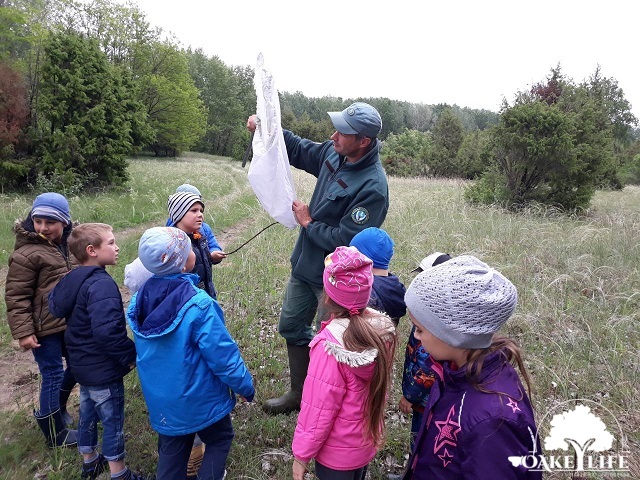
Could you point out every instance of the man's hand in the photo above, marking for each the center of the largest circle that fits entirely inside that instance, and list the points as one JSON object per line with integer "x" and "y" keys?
{"x": 299, "y": 469}
{"x": 251, "y": 123}
{"x": 301, "y": 212}
{"x": 27, "y": 343}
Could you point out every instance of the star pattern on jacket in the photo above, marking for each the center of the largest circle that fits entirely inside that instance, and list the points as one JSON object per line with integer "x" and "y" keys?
{"x": 514, "y": 405}
{"x": 447, "y": 432}
{"x": 446, "y": 457}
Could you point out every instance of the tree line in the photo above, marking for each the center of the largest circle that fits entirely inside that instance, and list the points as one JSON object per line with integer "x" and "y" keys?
{"x": 85, "y": 84}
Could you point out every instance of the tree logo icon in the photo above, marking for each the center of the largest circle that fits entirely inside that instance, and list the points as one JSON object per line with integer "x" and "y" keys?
{"x": 578, "y": 441}
{"x": 581, "y": 429}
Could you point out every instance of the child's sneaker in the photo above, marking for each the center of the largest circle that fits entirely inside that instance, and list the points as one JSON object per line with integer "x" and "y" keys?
{"x": 93, "y": 470}
{"x": 129, "y": 475}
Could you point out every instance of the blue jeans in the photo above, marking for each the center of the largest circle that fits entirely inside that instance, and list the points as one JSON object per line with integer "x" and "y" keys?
{"x": 103, "y": 403}
{"x": 174, "y": 451}
{"x": 48, "y": 356}
{"x": 298, "y": 311}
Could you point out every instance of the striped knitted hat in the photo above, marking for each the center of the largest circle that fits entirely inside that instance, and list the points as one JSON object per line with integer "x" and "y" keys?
{"x": 179, "y": 204}
{"x": 462, "y": 301}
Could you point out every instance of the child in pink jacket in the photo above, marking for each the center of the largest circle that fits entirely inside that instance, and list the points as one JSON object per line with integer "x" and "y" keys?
{"x": 341, "y": 420}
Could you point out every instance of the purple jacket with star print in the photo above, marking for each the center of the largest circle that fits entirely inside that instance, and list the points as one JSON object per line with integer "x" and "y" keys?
{"x": 469, "y": 434}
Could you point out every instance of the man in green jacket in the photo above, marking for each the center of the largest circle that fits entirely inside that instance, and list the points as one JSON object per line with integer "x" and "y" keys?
{"x": 351, "y": 194}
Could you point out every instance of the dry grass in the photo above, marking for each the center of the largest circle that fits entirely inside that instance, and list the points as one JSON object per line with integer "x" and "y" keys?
{"x": 577, "y": 318}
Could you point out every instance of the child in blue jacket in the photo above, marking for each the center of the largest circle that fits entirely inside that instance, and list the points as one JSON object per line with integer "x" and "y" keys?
{"x": 189, "y": 366}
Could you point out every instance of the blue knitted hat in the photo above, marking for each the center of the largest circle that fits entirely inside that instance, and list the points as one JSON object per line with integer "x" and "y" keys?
{"x": 52, "y": 206}
{"x": 376, "y": 244}
{"x": 164, "y": 250}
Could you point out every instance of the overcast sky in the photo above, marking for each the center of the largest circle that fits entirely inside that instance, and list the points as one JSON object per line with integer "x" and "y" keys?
{"x": 466, "y": 52}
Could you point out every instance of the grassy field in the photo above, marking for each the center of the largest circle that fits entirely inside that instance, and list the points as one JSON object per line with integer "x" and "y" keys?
{"x": 577, "y": 318}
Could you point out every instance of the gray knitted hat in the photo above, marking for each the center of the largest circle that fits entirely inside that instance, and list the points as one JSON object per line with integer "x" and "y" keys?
{"x": 179, "y": 204}
{"x": 463, "y": 301}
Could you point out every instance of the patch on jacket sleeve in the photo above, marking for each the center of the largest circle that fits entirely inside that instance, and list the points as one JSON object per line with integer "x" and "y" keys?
{"x": 360, "y": 215}
{"x": 353, "y": 359}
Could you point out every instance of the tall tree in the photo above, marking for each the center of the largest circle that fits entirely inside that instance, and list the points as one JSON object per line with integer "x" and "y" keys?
{"x": 176, "y": 113}
{"x": 87, "y": 112}
{"x": 220, "y": 92}
{"x": 14, "y": 112}
{"x": 447, "y": 138}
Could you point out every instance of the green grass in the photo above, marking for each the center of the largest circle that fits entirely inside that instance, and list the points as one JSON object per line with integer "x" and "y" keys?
{"x": 577, "y": 318}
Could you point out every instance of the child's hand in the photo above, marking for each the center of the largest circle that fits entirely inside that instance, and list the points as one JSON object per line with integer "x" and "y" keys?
{"x": 27, "y": 343}
{"x": 248, "y": 398}
{"x": 217, "y": 256}
{"x": 132, "y": 365}
{"x": 299, "y": 469}
{"x": 405, "y": 405}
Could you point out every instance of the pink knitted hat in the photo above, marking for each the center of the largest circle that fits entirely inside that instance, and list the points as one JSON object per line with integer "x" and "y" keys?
{"x": 348, "y": 278}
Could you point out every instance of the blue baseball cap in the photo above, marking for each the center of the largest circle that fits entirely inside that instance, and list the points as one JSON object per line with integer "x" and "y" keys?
{"x": 357, "y": 118}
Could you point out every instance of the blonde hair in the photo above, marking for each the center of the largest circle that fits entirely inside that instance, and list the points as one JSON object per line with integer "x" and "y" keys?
{"x": 510, "y": 352}
{"x": 360, "y": 335}
{"x": 84, "y": 235}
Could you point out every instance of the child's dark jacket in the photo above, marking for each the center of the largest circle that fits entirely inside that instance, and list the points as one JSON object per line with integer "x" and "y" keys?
{"x": 387, "y": 296}
{"x": 99, "y": 349}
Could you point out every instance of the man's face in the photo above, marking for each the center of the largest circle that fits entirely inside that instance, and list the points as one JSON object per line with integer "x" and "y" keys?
{"x": 347, "y": 145}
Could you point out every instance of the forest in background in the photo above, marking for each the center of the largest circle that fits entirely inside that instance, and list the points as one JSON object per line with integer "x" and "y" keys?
{"x": 83, "y": 85}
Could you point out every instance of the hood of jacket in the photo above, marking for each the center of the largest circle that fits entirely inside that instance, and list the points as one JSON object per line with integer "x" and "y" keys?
{"x": 159, "y": 301}
{"x": 26, "y": 233}
{"x": 362, "y": 363}
{"x": 68, "y": 288}
{"x": 388, "y": 296}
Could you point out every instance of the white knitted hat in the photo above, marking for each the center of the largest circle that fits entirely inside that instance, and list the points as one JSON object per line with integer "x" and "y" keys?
{"x": 463, "y": 301}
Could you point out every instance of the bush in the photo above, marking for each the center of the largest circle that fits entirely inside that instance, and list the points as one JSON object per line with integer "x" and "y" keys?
{"x": 404, "y": 154}
{"x": 490, "y": 189}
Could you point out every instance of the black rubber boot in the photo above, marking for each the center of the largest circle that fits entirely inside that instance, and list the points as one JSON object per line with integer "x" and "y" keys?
{"x": 54, "y": 430}
{"x": 298, "y": 365}
{"x": 93, "y": 470}
{"x": 66, "y": 417}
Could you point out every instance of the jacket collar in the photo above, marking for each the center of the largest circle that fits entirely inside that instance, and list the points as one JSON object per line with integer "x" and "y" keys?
{"x": 338, "y": 326}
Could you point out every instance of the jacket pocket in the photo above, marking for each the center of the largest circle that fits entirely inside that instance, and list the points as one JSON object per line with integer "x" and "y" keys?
{"x": 39, "y": 313}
